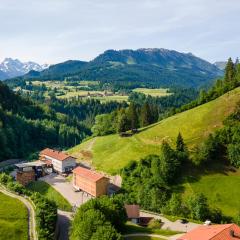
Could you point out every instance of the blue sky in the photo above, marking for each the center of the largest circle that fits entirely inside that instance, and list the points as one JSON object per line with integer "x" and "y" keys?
{"x": 51, "y": 31}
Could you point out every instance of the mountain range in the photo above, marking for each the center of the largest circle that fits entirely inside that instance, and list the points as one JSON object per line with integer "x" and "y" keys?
{"x": 145, "y": 67}
{"x": 10, "y": 68}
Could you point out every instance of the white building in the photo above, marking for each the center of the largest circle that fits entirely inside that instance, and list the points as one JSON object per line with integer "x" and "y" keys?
{"x": 60, "y": 161}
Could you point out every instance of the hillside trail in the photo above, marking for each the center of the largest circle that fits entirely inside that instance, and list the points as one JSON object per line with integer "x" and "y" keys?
{"x": 32, "y": 234}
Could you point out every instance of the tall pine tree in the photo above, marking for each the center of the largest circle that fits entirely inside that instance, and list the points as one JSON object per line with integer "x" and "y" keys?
{"x": 132, "y": 113}
{"x": 180, "y": 145}
{"x": 229, "y": 72}
{"x": 145, "y": 115}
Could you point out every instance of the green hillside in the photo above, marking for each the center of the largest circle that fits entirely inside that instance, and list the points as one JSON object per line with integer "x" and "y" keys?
{"x": 111, "y": 153}
{"x": 222, "y": 190}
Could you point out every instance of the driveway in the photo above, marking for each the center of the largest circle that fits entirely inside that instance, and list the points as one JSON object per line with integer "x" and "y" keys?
{"x": 66, "y": 189}
{"x": 167, "y": 224}
{"x": 63, "y": 225}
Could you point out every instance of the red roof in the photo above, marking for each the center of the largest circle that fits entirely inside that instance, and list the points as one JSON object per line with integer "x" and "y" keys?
{"x": 213, "y": 232}
{"x": 89, "y": 174}
{"x": 61, "y": 156}
{"x": 133, "y": 211}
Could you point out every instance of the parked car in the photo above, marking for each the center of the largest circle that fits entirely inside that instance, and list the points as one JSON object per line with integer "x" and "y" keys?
{"x": 184, "y": 221}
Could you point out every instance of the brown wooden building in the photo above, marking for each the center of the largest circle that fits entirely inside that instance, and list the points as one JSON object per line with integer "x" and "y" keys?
{"x": 90, "y": 182}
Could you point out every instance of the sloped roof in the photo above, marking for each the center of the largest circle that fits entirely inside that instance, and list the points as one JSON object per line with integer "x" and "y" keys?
{"x": 213, "y": 232}
{"x": 88, "y": 174}
{"x": 133, "y": 211}
{"x": 61, "y": 156}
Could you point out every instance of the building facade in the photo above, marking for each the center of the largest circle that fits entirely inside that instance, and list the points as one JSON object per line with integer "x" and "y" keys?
{"x": 91, "y": 182}
{"x": 213, "y": 232}
{"x": 61, "y": 162}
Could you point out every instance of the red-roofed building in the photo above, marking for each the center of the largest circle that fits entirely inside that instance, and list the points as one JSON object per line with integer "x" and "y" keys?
{"x": 133, "y": 212}
{"x": 213, "y": 232}
{"x": 90, "y": 181}
{"x": 60, "y": 161}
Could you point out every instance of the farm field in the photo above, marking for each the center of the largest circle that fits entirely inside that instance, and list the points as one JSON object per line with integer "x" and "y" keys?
{"x": 155, "y": 92}
{"x": 111, "y": 153}
{"x": 49, "y": 192}
{"x": 13, "y": 219}
{"x": 64, "y": 91}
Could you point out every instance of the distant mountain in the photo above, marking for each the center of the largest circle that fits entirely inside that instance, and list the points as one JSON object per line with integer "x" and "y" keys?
{"x": 13, "y": 67}
{"x": 59, "y": 70}
{"x": 150, "y": 66}
{"x": 221, "y": 64}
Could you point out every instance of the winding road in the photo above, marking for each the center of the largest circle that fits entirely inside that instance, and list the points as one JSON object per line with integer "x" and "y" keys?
{"x": 32, "y": 235}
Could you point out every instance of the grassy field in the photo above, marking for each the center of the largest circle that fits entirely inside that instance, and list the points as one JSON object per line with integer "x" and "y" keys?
{"x": 13, "y": 219}
{"x": 155, "y": 92}
{"x": 111, "y": 153}
{"x": 221, "y": 189}
{"x": 46, "y": 190}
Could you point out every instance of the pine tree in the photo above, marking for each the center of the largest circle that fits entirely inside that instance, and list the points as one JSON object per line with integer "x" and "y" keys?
{"x": 132, "y": 113}
{"x": 145, "y": 115}
{"x": 229, "y": 71}
{"x": 123, "y": 123}
{"x": 180, "y": 145}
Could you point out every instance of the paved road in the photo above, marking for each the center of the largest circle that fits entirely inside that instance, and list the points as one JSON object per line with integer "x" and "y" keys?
{"x": 63, "y": 225}
{"x": 31, "y": 213}
{"x": 66, "y": 189}
{"x": 167, "y": 224}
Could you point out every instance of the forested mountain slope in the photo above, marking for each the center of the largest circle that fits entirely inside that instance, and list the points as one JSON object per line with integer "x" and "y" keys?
{"x": 111, "y": 153}
{"x": 142, "y": 67}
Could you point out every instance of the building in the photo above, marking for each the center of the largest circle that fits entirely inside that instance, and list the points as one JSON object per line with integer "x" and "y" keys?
{"x": 133, "y": 213}
{"x": 213, "y": 232}
{"x": 90, "y": 182}
{"x": 60, "y": 161}
{"x": 29, "y": 171}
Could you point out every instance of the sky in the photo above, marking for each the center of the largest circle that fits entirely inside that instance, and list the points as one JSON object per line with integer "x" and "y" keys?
{"x": 52, "y": 31}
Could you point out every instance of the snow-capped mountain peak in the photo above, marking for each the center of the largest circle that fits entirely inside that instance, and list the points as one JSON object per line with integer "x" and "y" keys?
{"x": 14, "y": 67}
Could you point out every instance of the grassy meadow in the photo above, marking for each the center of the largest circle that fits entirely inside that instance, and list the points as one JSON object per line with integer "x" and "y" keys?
{"x": 155, "y": 92}
{"x": 222, "y": 190}
{"x": 49, "y": 192}
{"x": 111, "y": 153}
{"x": 13, "y": 219}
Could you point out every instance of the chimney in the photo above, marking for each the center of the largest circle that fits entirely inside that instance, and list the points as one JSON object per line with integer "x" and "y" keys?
{"x": 232, "y": 233}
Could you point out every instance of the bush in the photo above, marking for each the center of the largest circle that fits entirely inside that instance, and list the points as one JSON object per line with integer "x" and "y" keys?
{"x": 155, "y": 223}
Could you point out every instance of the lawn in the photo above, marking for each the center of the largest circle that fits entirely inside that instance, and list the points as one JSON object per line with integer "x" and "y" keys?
{"x": 49, "y": 192}
{"x": 155, "y": 92}
{"x": 111, "y": 153}
{"x": 13, "y": 219}
{"x": 143, "y": 238}
{"x": 221, "y": 189}
{"x": 134, "y": 228}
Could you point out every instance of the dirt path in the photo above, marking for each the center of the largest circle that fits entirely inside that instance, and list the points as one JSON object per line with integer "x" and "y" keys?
{"x": 31, "y": 213}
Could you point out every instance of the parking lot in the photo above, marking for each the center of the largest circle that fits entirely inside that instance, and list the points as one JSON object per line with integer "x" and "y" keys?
{"x": 66, "y": 189}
